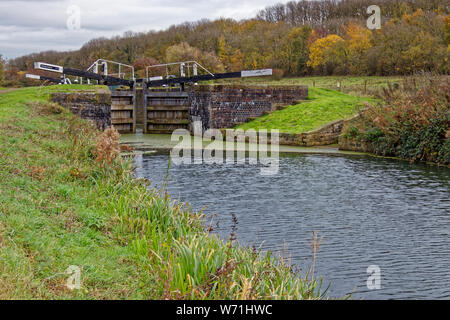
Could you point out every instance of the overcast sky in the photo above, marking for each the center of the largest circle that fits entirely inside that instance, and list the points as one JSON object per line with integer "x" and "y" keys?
{"x": 28, "y": 26}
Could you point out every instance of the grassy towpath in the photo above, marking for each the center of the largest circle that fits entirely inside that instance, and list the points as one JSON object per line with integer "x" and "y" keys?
{"x": 6, "y": 90}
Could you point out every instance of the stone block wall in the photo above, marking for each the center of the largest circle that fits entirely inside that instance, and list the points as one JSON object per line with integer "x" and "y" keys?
{"x": 353, "y": 144}
{"x": 326, "y": 135}
{"x": 93, "y": 106}
{"x": 224, "y": 106}
{"x": 200, "y": 108}
{"x": 347, "y": 143}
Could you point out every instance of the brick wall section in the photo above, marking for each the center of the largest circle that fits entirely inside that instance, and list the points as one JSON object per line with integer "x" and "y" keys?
{"x": 93, "y": 106}
{"x": 224, "y": 106}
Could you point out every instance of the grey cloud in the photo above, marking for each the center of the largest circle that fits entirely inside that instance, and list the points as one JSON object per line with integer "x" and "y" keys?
{"x": 28, "y": 26}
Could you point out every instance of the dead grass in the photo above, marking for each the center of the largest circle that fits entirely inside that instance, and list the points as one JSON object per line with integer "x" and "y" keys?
{"x": 71, "y": 221}
{"x": 108, "y": 147}
{"x": 37, "y": 172}
{"x": 46, "y": 108}
{"x": 2, "y": 234}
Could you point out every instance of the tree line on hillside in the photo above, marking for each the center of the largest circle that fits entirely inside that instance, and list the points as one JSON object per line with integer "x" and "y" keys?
{"x": 327, "y": 37}
{"x": 334, "y": 13}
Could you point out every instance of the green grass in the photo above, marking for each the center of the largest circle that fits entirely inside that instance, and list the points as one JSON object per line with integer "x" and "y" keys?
{"x": 323, "y": 106}
{"x": 360, "y": 86}
{"x": 59, "y": 207}
{"x": 329, "y": 81}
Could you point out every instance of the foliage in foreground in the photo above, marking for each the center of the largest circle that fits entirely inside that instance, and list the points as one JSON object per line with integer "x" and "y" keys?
{"x": 413, "y": 123}
{"x": 67, "y": 199}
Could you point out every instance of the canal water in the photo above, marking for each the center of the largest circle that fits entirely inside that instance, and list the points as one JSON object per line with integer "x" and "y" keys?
{"x": 369, "y": 211}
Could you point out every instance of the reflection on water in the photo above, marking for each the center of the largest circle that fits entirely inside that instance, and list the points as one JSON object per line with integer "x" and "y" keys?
{"x": 369, "y": 211}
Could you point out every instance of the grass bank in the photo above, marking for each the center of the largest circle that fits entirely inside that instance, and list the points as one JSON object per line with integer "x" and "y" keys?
{"x": 67, "y": 200}
{"x": 323, "y": 106}
{"x": 359, "y": 86}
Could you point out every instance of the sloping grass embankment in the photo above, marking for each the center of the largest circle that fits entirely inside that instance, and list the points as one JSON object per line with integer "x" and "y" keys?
{"x": 61, "y": 207}
{"x": 323, "y": 106}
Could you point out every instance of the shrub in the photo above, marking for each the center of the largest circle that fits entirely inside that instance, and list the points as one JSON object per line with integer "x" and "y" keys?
{"x": 352, "y": 132}
{"x": 413, "y": 121}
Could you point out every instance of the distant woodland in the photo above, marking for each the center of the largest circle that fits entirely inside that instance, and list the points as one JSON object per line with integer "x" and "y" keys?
{"x": 327, "y": 37}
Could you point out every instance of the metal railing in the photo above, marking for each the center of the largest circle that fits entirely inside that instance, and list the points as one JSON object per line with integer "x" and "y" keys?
{"x": 104, "y": 63}
{"x": 184, "y": 65}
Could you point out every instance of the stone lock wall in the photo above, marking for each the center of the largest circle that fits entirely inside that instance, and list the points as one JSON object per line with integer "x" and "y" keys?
{"x": 93, "y": 106}
{"x": 353, "y": 143}
{"x": 200, "y": 108}
{"x": 326, "y": 135}
{"x": 225, "y": 106}
{"x": 216, "y": 106}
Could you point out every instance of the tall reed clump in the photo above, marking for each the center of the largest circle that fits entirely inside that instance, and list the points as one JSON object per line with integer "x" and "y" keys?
{"x": 412, "y": 123}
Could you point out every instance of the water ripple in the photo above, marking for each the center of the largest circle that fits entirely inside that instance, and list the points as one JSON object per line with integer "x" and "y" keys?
{"x": 369, "y": 211}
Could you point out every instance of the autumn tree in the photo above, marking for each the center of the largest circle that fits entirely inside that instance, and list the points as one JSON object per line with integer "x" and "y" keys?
{"x": 297, "y": 50}
{"x": 415, "y": 43}
{"x": 358, "y": 41}
{"x": 261, "y": 43}
{"x": 141, "y": 64}
{"x": 324, "y": 52}
{"x": 325, "y": 13}
{"x": 232, "y": 58}
{"x": 2, "y": 69}
{"x": 447, "y": 31}
{"x": 184, "y": 52}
